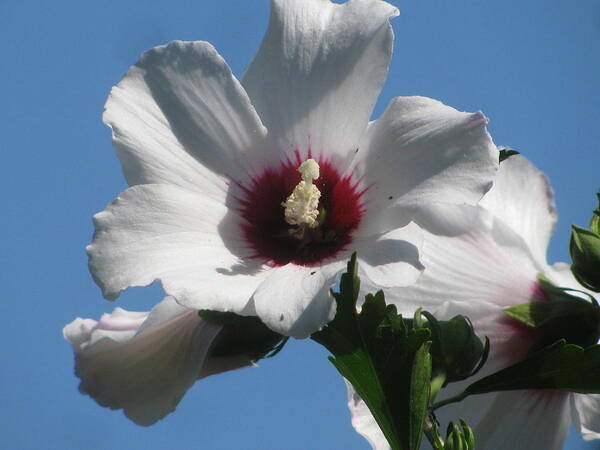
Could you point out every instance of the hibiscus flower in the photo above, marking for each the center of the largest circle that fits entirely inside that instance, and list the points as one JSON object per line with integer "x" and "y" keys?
{"x": 492, "y": 262}
{"x": 144, "y": 362}
{"x": 250, "y": 196}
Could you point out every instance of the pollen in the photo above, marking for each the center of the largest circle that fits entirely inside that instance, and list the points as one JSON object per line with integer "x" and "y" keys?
{"x": 302, "y": 206}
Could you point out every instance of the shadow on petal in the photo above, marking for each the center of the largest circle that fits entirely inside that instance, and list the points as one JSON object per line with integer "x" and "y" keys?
{"x": 390, "y": 251}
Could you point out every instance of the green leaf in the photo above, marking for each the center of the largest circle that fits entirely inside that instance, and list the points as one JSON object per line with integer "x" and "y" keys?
{"x": 384, "y": 357}
{"x": 344, "y": 340}
{"x": 506, "y": 152}
{"x": 561, "y": 366}
{"x": 563, "y": 316}
{"x": 537, "y": 314}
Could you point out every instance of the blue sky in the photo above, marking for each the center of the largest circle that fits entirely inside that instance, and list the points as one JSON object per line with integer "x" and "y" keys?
{"x": 531, "y": 66}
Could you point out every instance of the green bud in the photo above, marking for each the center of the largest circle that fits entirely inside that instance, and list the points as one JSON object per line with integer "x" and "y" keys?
{"x": 455, "y": 439}
{"x": 456, "y": 350}
{"x": 468, "y": 434}
{"x": 585, "y": 253}
{"x": 461, "y": 438}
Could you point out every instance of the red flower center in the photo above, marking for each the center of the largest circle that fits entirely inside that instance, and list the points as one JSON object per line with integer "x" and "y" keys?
{"x": 275, "y": 241}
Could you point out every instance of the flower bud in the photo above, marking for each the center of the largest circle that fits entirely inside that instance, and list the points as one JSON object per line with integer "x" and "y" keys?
{"x": 459, "y": 438}
{"x": 468, "y": 434}
{"x": 585, "y": 253}
{"x": 456, "y": 350}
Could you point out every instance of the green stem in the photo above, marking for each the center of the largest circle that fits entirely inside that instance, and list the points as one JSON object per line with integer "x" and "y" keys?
{"x": 457, "y": 398}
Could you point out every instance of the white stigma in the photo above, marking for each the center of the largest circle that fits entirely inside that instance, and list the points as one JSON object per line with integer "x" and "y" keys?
{"x": 302, "y": 206}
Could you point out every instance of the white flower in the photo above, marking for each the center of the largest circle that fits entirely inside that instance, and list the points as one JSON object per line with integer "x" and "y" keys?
{"x": 212, "y": 161}
{"x": 492, "y": 262}
{"x": 144, "y": 362}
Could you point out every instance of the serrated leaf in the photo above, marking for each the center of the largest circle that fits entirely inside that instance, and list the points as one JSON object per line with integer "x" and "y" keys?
{"x": 378, "y": 353}
{"x": 343, "y": 338}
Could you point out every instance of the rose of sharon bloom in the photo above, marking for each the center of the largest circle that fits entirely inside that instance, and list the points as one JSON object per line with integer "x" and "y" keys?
{"x": 491, "y": 263}
{"x": 144, "y": 362}
{"x": 226, "y": 208}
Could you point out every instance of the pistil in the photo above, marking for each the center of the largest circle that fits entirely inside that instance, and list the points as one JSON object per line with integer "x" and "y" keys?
{"x": 302, "y": 206}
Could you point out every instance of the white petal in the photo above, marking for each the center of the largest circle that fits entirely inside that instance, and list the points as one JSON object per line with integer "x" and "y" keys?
{"x": 187, "y": 241}
{"x": 523, "y": 199}
{"x": 363, "y": 421}
{"x": 487, "y": 263}
{"x": 180, "y": 117}
{"x": 421, "y": 151}
{"x": 146, "y": 366}
{"x": 319, "y": 71}
{"x": 295, "y": 300}
{"x": 533, "y": 420}
{"x": 393, "y": 258}
{"x": 586, "y": 412}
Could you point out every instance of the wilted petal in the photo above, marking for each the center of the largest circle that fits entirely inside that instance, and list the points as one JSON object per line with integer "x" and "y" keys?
{"x": 319, "y": 70}
{"x": 142, "y": 363}
{"x": 180, "y": 117}
{"x": 183, "y": 239}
